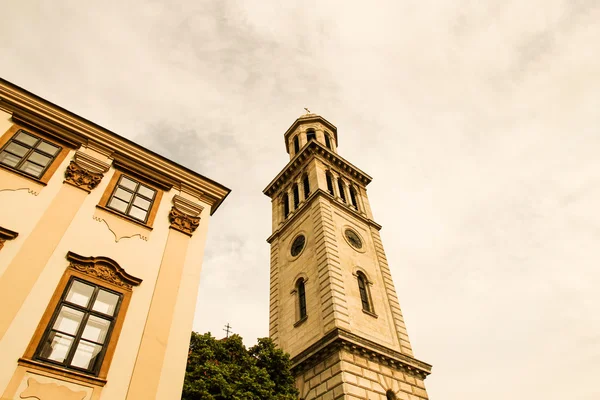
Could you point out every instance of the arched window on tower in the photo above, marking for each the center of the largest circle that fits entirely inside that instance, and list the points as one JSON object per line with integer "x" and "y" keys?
{"x": 296, "y": 196}
{"x": 286, "y": 205}
{"x": 353, "y": 197}
{"x": 301, "y": 299}
{"x": 310, "y": 135}
{"x": 389, "y": 395}
{"x": 327, "y": 141}
{"x": 341, "y": 188}
{"x": 306, "y": 185}
{"x": 364, "y": 291}
{"x": 329, "y": 183}
{"x": 296, "y": 144}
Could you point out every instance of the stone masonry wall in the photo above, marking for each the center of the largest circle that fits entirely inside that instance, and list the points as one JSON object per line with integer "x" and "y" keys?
{"x": 348, "y": 376}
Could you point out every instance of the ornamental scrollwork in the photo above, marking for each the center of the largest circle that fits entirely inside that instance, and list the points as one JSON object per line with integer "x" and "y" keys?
{"x": 183, "y": 222}
{"x": 103, "y": 268}
{"x": 81, "y": 177}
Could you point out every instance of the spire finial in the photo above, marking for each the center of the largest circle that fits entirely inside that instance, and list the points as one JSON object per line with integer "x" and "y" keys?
{"x": 307, "y": 110}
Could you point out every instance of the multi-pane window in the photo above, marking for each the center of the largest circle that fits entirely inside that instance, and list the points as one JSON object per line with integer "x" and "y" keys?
{"x": 306, "y": 185}
{"x": 29, "y": 154}
{"x": 327, "y": 141}
{"x": 79, "y": 331}
{"x": 301, "y": 299}
{"x": 364, "y": 295}
{"x": 296, "y": 145}
{"x": 132, "y": 198}
{"x": 310, "y": 135}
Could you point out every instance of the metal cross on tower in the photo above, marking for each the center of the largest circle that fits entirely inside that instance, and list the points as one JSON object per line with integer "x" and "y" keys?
{"x": 228, "y": 329}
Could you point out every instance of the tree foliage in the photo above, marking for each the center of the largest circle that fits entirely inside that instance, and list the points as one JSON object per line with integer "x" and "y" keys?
{"x": 226, "y": 370}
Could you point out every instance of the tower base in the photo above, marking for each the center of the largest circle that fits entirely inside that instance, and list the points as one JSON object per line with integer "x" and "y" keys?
{"x": 346, "y": 366}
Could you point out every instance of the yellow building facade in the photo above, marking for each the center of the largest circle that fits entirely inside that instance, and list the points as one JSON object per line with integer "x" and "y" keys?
{"x": 101, "y": 244}
{"x": 333, "y": 305}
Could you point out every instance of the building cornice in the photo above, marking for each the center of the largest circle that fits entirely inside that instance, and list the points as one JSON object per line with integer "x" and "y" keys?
{"x": 314, "y": 148}
{"x": 304, "y": 206}
{"x": 308, "y": 118}
{"x": 339, "y": 339}
{"x": 32, "y": 110}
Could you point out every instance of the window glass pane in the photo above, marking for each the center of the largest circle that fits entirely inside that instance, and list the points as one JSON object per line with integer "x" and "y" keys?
{"x": 106, "y": 302}
{"x": 39, "y": 158}
{"x": 9, "y": 159}
{"x": 32, "y": 169}
{"x": 138, "y": 213}
{"x": 141, "y": 203}
{"x": 79, "y": 293}
{"x": 146, "y": 192}
{"x": 128, "y": 183}
{"x": 48, "y": 148}
{"x": 96, "y": 329}
{"x": 123, "y": 194}
{"x": 26, "y": 138}
{"x": 117, "y": 204}
{"x": 68, "y": 320}
{"x": 17, "y": 149}
{"x": 56, "y": 347}
{"x": 85, "y": 355}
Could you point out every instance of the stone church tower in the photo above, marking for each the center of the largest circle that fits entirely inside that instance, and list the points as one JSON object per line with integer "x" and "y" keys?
{"x": 333, "y": 305}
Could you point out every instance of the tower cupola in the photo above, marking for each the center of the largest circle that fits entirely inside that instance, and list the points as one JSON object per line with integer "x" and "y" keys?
{"x": 310, "y": 127}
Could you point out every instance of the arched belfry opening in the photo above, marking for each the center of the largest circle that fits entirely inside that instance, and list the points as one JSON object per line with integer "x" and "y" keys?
{"x": 390, "y": 395}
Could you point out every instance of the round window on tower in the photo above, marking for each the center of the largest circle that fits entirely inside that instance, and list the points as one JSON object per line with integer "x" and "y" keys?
{"x": 353, "y": 239}
{"x": 298, "y": 245}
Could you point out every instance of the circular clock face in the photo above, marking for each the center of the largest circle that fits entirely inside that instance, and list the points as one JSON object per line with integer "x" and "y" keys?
{"x": 298, "y": 245}
{"x": 353, "y": 239}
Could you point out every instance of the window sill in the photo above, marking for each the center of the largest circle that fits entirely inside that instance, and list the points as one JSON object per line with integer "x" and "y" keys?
{"x": 24, "y": 175}
{"x": 301, "y": 321}
{"x": 125, "y": 217}
{"x": 63, "y": 372}
{"x": 372, "y": 314}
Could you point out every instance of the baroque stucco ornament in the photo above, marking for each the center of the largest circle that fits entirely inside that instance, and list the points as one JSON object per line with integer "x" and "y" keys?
{"x": 183, "y": 222}
{"x": 82, "y": 178}
{"x": 103, "y": 268}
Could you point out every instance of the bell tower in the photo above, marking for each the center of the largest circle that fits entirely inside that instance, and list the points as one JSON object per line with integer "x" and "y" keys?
{"x": 333, "y": 305}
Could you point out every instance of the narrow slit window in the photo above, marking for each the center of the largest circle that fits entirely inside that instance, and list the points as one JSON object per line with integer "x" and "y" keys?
{"x": 286, "y": 205}
{"x": 327, "y": 141}
{"x": 341, "y": 188}
{"x": 364, "y": 295}
{"x": 80, "y": 329}
{"x": 29, "y": 154}
{"x": 301, "y": 299}
{"x": 306, "y": 185}
{"x": 296, "y": 196}
{"x": 132, "y": 198}
{"x": 353, "y": 197}
{"x": 310, "y": 135}
{"x": 329, "y": 183}
{"x": 296, "y": 144}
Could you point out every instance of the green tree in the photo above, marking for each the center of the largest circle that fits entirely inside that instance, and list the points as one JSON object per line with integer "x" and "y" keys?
{"x": 225, "y": 370}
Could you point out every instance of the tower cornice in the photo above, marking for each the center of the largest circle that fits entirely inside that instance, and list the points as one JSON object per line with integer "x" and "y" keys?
{"x": 315, "y": 195}
{"x": 342, "y": 339}
{"x": 317, "y": 149}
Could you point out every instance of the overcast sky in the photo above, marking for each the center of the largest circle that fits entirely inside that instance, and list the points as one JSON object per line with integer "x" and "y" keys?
{"x": 479, "y": 121}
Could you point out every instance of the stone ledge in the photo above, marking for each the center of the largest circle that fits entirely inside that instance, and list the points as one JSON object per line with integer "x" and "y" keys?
{"x": 338, "y": 339}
